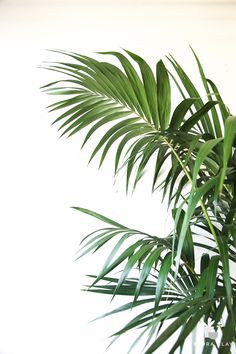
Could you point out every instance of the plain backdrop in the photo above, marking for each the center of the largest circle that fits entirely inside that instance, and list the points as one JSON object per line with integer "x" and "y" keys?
{"x": 42, "y": 309}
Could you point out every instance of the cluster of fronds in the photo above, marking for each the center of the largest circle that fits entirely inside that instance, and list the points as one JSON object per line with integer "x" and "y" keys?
{"x": 196, "y": 140}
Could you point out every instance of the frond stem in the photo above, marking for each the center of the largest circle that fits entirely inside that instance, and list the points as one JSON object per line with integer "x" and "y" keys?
{"x": 191, "y": 181}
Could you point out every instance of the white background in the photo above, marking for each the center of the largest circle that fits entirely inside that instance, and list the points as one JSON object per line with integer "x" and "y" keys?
{"x": 42, "y": 310}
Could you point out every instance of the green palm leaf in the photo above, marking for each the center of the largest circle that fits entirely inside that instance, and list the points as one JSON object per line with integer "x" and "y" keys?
{"x": 176, "y": 280}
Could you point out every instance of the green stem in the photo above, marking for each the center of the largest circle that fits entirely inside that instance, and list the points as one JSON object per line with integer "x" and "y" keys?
{"x": 191, "y": 181}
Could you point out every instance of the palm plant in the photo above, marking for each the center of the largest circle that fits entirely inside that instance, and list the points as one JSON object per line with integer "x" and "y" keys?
{"x": 194, "y": 147}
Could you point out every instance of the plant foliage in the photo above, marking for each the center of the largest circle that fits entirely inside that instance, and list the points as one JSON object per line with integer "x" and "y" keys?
{"x": 194, "y": 147}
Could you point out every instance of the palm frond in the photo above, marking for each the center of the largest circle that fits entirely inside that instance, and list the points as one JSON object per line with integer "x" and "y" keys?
{"x": 184, "y": 277}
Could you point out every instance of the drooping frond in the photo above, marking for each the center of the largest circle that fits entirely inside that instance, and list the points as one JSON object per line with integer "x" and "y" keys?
{"x": 186, "y": 276}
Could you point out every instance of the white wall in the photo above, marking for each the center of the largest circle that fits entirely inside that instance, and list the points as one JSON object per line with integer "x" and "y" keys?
{"x": 42, "y": 310}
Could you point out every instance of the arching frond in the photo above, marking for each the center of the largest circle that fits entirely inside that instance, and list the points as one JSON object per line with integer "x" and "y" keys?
{"x": 186, "y": 275}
